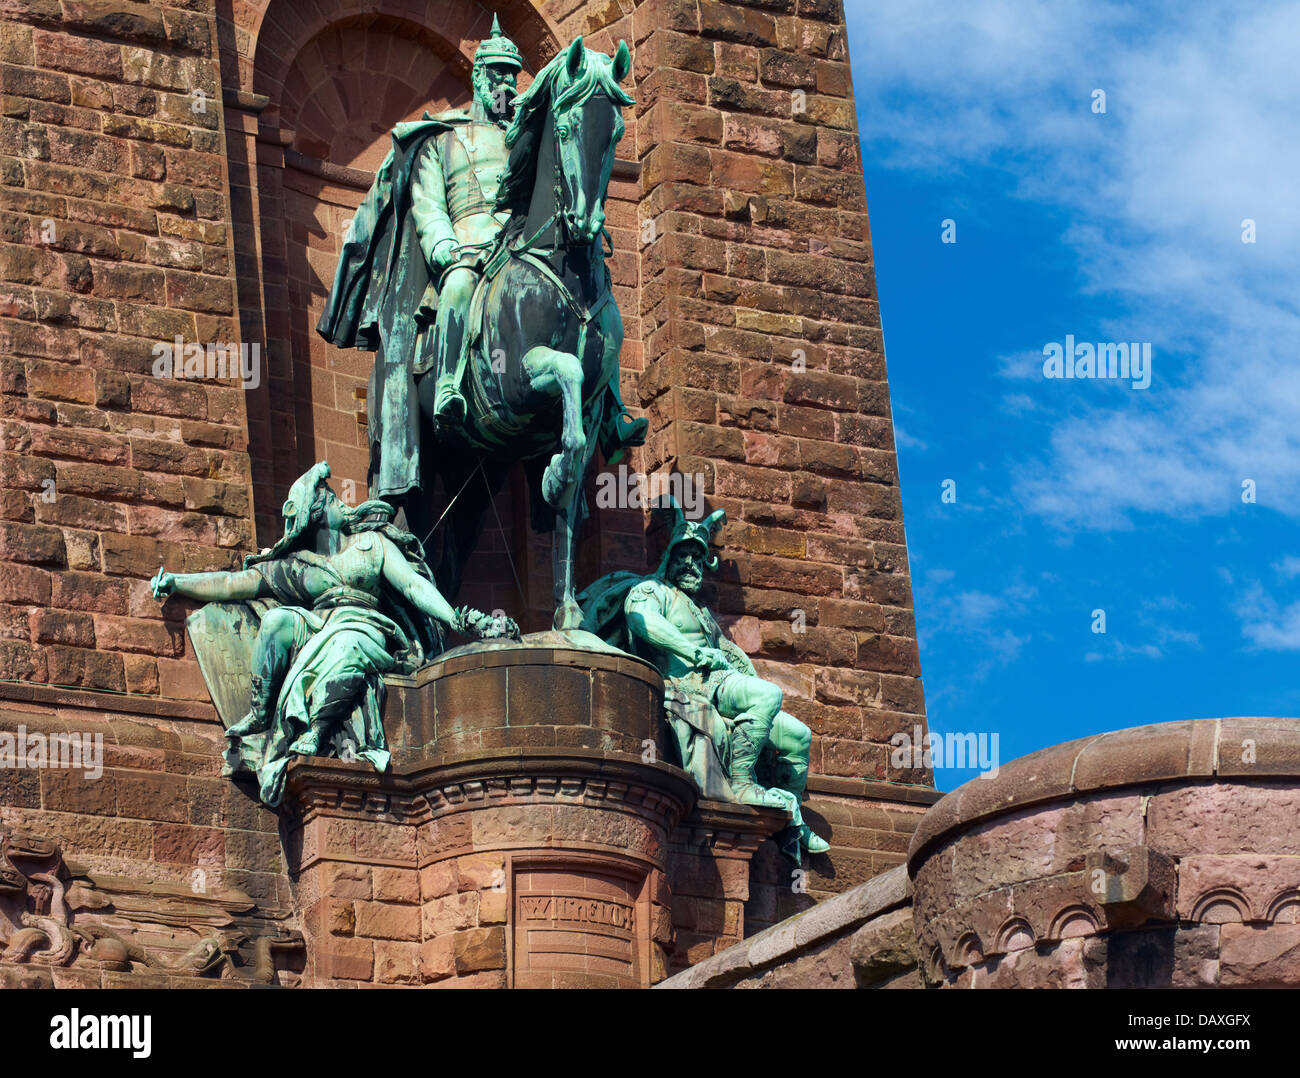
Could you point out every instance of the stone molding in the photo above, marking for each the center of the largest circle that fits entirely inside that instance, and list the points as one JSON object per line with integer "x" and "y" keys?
{"x": 723, "y": 828}
{"x": 414, "y": 795}
{"x": 128, "y": 703}
{"x": 1160, "y": 752}
{"x": 1169, "y": 840}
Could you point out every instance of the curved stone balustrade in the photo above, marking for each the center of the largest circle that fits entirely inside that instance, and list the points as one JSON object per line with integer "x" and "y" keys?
{"x": 1163, "y": 855}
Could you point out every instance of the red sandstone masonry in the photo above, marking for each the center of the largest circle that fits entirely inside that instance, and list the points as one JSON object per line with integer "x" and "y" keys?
{"x": 115, "y": 238}
{"x": 204, "y": 224}
{"x": 765, "y": 371}
{"x": 763, "y": 252}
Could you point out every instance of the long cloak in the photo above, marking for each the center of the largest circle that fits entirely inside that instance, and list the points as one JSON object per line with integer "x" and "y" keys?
{"x": 382, "y": 300}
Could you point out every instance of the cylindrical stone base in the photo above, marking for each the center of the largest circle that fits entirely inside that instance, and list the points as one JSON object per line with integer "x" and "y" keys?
{"x": 520, "y": 840}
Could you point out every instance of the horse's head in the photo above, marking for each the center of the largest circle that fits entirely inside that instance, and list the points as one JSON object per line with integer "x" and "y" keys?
{"x": 576, "y": 103}
{"x": 586, "y": 113}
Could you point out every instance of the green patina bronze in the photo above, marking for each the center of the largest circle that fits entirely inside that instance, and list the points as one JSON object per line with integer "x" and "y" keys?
{"x": 727, "y": 721}
{"x": 475, "y": 270}
{"x": 414, "y": 254}
{"x": 295, "y": 646}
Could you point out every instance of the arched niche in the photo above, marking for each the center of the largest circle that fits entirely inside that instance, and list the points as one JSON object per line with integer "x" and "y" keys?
{"x": 311, "y": 92}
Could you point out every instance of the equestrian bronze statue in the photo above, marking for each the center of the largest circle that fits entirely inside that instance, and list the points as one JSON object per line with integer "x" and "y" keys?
{"x": 475, "y": 270}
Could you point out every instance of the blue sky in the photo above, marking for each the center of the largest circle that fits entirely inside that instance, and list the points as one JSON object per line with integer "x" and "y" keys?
{"x": 1081, "y": 495}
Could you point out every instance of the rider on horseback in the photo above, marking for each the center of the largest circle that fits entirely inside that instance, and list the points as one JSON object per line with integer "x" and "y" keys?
{"x": 408, "y": 270}
{"x": 453, "y": 203}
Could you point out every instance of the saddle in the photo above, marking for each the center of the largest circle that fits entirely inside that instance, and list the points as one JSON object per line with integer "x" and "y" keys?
{"x": 493, "y": 418}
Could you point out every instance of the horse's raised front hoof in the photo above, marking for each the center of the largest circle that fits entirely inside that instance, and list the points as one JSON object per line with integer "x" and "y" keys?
{"x": 568, "y": 615}
{"x": 558, "y": 482}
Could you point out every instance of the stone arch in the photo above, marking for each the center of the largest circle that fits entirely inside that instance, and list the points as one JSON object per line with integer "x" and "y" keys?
{"x": 351, "y": 82}
{"x": 1073, "y": 921}
{"x": 937, "y": 969}
{"x": 269, "y": 34}
{"x": 967, "y": 951}
{"x": 1285, "y": 908}
{"x": 1016, "y": 934}
{"x": 1221, "y": 905}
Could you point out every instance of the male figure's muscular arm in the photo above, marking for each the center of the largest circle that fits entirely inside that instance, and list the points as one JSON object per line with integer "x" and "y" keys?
{"x": 429, "y": 207}
{"x": 646, "y": 622}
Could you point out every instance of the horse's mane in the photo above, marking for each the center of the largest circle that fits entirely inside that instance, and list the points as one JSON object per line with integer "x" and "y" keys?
{"x": 550, "y": 91}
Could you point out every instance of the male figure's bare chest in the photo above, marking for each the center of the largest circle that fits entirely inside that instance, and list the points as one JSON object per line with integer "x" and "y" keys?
{"x": 690, "y": 619}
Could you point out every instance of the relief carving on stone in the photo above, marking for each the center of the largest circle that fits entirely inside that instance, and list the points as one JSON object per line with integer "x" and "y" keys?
{"x": 55, "y": 913}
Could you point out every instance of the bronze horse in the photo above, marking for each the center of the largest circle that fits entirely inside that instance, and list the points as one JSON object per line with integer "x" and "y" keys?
{"x": 543, "y": 333}
{"x": 542, "y": 385}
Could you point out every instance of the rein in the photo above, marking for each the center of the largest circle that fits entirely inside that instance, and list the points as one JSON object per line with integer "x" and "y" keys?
{"x": 534, "y": 256}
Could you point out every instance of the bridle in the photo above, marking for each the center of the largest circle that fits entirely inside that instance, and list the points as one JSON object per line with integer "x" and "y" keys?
{"x": 535, "y": 256}
{"x": 559, "y": 216}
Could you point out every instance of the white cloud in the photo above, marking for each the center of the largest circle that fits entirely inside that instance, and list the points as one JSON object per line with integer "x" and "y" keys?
{"x": 1199, "y": 134}
{"x": 903, "y": 440}
{"x": 1267, "y": 625}
{"x": 1288, "y": 568}
{"x": 979, "y": 619}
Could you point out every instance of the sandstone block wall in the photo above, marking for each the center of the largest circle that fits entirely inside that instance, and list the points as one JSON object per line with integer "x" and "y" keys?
{"x": 862, "y": 938}
{"x": 1160, "y": 856}
{"x": 765, "y": 370}
{"x": 185, "y": 170}
{"x": 117, "y": 238}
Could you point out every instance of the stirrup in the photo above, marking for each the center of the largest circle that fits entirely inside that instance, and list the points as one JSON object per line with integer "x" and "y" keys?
{"x": 449, "y": 404}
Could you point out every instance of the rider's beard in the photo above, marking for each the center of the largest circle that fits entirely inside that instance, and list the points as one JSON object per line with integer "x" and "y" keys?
{"x": 484, "y": 93}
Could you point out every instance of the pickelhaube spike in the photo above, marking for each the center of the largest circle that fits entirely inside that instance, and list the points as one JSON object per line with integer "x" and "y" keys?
{"x": 497, "y": 48}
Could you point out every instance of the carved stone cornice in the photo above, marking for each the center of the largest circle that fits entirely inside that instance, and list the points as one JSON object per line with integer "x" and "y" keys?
{"x": 727, "y": 829}
{"x": 412, "y": 795}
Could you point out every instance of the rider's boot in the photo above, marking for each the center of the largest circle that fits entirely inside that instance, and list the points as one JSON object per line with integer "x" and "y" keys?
{"x": 448, "y": 401}
{"x": 625, "y": 430}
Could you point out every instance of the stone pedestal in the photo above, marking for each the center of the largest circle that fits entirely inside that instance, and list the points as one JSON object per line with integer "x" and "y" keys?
{"x": 520, "y": 839}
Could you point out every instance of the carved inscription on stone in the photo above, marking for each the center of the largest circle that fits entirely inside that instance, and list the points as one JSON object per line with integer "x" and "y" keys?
{"x": 575, "y": 927}
{"x": 559, "y": 908}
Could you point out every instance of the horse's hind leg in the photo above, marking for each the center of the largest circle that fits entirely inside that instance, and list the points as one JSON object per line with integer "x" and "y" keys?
{"x": 559, "y": 374}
